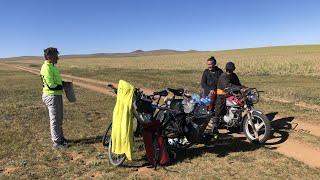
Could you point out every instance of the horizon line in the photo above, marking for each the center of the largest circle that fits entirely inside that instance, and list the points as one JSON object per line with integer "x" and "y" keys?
{"x": 164, "y": 49}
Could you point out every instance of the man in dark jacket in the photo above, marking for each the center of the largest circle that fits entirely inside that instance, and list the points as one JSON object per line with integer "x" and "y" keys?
{"x": 226, "y": 80}
{"x": 210, "y": 77}
{"x": 209, "y": 83}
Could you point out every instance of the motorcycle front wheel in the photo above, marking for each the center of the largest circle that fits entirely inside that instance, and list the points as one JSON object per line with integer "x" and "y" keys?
{"x": 259, "y": 130}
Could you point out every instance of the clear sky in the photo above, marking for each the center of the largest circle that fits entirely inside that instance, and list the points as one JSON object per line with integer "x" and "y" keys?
{"x": 92, "y": 26}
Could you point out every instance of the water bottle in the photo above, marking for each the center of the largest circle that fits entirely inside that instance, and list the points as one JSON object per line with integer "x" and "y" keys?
{"x": 205, "y": 100}
{"x": 195, "y": 98}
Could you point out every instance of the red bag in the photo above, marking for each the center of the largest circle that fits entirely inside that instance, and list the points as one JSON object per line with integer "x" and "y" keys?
{"x": 164, "y": 156}
{"x": 154, "y": 144}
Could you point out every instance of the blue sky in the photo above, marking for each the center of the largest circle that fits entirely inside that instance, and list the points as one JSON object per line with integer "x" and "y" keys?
{"x": 92, "y": 26}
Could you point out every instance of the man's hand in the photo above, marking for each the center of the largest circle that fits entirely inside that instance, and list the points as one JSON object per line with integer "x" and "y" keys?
{"x": 212, "y": 92}
{"x": 244, "y": 89}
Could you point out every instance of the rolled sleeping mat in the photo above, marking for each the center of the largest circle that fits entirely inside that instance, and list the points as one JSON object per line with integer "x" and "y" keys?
{"x": 68, "y": 89}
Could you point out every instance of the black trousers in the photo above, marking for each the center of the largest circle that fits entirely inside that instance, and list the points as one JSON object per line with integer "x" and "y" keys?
{"x": 220, "y": 109}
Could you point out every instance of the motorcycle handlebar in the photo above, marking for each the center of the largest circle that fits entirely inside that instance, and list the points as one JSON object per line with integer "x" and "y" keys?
{"x": 113, "y": 88}
{"x": 159, "y": 93}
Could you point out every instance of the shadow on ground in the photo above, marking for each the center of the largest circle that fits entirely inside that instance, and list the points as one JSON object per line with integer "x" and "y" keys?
{"x": 222, "y": 147}
{"x": 90, "y": 140}
{"x": 280, "y": 128}
{"x": 226, "y": 144}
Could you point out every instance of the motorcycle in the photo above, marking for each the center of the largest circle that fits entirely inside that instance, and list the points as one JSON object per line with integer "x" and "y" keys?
{"x": 184, "y": 117}
{"x": 185, "y": 122}
{"x": 244, "y": 117}
{"x": 189, "y": 126}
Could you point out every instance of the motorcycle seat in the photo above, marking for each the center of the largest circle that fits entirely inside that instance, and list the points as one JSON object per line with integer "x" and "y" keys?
{"x": 161, "y": 93}
{"x": 177, "y": 92}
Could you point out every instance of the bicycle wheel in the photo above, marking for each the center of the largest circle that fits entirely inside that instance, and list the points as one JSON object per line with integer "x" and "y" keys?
{"x": 107, "y": 136}
{"x": 114, "y": 159}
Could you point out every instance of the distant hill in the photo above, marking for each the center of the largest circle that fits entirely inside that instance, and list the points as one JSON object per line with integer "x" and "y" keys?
{"x": 22, "y": 57}
{"x": 97, "y": 55}
{"x": 265, "y": 50}
{"x": 130, "y": 54}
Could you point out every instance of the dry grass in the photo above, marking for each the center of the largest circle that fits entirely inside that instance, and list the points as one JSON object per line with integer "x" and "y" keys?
{"x": 25, "y": 149}
{"x": 287, "y": 60}
{"x": 290, "y": 73}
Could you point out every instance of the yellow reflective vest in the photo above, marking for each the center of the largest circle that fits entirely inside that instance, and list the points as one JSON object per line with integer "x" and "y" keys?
{"x": 51, "y": 79}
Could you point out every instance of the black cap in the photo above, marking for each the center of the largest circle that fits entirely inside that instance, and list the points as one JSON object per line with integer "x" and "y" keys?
{"x": 50, "y": 51}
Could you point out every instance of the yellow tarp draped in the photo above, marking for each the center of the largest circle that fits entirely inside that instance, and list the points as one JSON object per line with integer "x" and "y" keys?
{"x": 122, "y": 125}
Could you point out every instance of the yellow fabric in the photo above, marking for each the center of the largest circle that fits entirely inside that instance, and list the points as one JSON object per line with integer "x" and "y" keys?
{"x": 122, "y": 127}
{"x": 51, "y": 78}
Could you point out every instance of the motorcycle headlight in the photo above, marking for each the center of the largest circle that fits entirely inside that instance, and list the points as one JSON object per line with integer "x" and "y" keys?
{"x": 253, "y": 97}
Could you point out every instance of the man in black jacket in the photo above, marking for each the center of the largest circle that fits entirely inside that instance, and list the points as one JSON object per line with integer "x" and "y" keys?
{"x": 209, "y": 83}
{"x": 210, "y": 77}
{"x": 226, "y": 80}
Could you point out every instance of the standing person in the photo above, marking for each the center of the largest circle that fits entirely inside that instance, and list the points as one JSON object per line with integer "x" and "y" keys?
{"x": 210, "y": 77}
{"x": 52, "y": 96}
{"x": 209, "y": 83}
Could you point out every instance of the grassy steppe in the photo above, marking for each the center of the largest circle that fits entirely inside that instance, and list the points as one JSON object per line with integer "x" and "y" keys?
{"x": 25, "y": 147}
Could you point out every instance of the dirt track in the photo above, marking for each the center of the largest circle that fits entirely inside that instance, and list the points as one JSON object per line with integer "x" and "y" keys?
{"x": 290, "y": 147}
{"x": 91, "y": 84}
{"x": 300, "y": 151}
{"x": 298, "y": 104}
